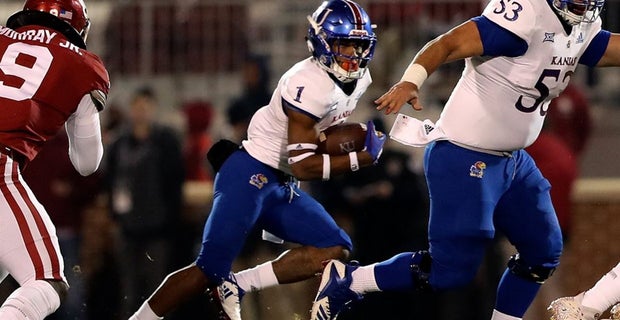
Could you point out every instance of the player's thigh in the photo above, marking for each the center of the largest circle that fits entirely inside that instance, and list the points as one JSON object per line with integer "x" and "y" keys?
{"x": 305, "y": 221}
{"x": 526, "y": 216}
{"x": 464, "y": 187}
{"x": 29, "y": 246}
{"x": 237, "y": 204}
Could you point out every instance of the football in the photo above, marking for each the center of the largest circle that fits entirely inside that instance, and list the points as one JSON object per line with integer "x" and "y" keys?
{"x": 342, "y": 138}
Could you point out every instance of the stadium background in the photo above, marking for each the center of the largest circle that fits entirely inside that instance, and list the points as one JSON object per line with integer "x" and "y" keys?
{"x": 194, "y": 49}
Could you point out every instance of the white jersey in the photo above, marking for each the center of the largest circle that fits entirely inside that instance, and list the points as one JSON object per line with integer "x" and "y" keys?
{"x": 309, "y": 88}
{"x": 500, "y": 102}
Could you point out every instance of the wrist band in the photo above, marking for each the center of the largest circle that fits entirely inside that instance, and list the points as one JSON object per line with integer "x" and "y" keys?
{"x": 301, "y": 146}
{"x": 300, "y": 157}
{"x": 326, "y": 167}
{"x": 353, "y": 159}
{"x": 416, "y": 74}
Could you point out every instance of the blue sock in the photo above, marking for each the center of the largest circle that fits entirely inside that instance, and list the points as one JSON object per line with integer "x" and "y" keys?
{"x": 395, "y": 274}
{"x": 515, "y": 294}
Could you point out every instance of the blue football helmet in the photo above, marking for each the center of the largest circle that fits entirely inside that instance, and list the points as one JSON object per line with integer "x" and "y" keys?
{"x": 341, "y": 22}
{"x": 573, "y": 12}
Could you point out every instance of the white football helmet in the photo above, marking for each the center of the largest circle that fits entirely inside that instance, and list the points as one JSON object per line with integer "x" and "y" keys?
{"x": 574, "y": 12}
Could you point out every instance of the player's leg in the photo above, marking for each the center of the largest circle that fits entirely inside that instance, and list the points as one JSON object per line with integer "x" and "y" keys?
{"x": 592, "y": 302}
{"x": 525, "y": 215}
{"x": 29, "y": 250}
{"x": 33, "y": 300}
{"x": 175, "y": 289}
{"x": 464, "y": 187}
{"x": 236, "y": 206}
{"x": 605, "y": 291}
{"x": 301, "y": 219}
{"x": 461, "y": 228}
{"x": 297, "y": 219}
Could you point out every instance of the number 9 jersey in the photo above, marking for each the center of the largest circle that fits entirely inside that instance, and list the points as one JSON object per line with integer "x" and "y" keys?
{"x": 43, "y": 80}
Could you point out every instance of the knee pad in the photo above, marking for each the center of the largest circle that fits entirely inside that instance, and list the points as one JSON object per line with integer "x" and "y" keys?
{"x": 537, "y": 274}
{"x": 34, "y": 300}
{"x": 421, "y": 270}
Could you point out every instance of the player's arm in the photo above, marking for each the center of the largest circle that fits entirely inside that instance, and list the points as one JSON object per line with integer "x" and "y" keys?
{"x": 84, "y": 133}
{"x": 609, "y": 44}
{"x": 461, "y": 42}
{"x": 305, "y": 163}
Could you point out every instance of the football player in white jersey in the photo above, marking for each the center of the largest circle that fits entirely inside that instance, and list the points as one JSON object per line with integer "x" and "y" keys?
{"x": 519, "y": 54}
{"x": 590, "y": 304}
{"x": 256, "y": 186}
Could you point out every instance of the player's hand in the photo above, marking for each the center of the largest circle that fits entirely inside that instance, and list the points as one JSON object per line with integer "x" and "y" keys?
{"x": 399, "y": 94}
{"x": 374, "y": 141}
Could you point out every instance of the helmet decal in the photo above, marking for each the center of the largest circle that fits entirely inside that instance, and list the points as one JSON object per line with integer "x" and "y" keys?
{"x": 70, "y": 17}
{"x": 357, "y": 15}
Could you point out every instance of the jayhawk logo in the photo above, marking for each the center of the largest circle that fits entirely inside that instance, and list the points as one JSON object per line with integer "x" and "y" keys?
{"x": 477, "y": 169}
{"x": 258, "y": 180}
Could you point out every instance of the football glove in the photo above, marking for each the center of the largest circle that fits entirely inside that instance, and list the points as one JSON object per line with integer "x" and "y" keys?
{"x": 374, "y": 141}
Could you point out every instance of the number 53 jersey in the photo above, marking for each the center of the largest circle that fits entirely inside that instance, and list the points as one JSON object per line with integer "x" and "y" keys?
{"x": 43, "y": 78}
{"x": 500, "y": 102}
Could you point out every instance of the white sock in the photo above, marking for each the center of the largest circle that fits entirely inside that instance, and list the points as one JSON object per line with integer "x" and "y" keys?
{"x": 502, "y": 316}
{"x": 145, "y": 313}
{"x": 33, "y": 301}
{"x": 257, "y": 278}
{"x": 605, "y": 292}
{"x": 364, "y": 279}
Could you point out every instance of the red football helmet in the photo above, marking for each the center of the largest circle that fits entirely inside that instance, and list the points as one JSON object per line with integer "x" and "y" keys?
{"x": 73, "y": 12}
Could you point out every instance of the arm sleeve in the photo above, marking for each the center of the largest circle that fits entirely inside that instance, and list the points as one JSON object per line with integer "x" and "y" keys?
{"x": 596, "y": 49}
{"x": 498, "y": 41}
{"x": 84, "y": 133}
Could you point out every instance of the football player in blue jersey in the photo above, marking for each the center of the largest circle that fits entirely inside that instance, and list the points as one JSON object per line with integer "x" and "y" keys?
{"x": 256, "y": 186}
{"x": 519, "y": 55}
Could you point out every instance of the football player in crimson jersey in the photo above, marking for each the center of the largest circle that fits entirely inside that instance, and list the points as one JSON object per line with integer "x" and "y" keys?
{"x": 47, "y": 80}
{"x": 519, "y": 55}
{"x": 256, "y": 186}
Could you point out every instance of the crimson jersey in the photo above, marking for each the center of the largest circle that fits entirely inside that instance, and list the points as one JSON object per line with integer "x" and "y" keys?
{"x": 43, "y": 77}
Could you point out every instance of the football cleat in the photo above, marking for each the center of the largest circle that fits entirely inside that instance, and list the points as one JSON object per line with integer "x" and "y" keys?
{"x": 615, "y": 312}
{"x": 570, "y": 308}
{"x": 334, "y": 293}
{"x": 227, "y": 299}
